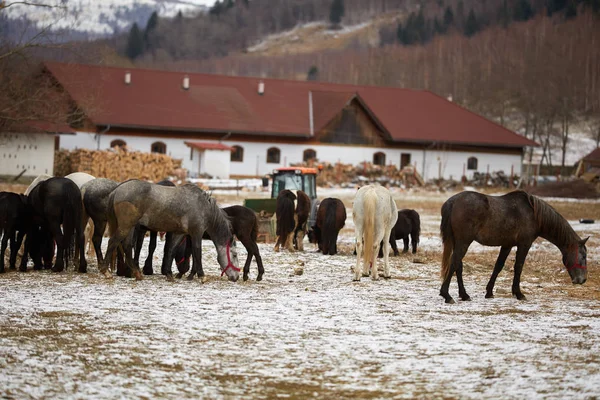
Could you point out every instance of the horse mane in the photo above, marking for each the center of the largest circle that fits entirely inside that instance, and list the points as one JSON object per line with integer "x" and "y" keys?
{"x": 219, "y": 225}
{"x": 551, "y": 224}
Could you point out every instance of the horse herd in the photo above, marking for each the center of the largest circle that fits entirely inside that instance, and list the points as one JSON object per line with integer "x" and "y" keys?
{"x": 54, "y": 212}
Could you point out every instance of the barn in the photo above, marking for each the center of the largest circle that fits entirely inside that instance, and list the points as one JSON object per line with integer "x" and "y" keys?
{"x": 28, "y": 150}
{"x": 239, "y": 126}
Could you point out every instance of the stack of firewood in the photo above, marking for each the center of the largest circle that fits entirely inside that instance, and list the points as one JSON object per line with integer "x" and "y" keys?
{"x": 118, "y": 164}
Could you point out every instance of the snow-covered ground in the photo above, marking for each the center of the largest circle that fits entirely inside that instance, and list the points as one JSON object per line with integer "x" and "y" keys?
{"x": 318, "y": 334}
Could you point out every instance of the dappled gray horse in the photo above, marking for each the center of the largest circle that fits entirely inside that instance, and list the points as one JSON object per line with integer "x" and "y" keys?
{"x": 95, "y": 201}
{"x": 184, "y": 210}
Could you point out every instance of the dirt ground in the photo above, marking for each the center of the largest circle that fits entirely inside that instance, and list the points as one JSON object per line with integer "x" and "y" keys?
{"x": 315, "y": 335}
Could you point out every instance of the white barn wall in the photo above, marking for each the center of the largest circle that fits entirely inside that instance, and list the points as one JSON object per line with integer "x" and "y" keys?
{"x": 33, "y": 152}
{"x": 255, "y": 154}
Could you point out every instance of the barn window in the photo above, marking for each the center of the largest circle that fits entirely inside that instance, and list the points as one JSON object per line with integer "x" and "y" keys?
{"x": 273, "y": 155}
{"x": 472, "y": 163}
{"x": 158, "y": 147}
{"x": 379, "y": 158}
{"x": 237, "y": 154}
{"x": 118, "y": 143}
{"x": 309, "y": 154}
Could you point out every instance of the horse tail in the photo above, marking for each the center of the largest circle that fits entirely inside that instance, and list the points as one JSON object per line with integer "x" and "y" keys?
{"x": 113, "y": 224}
{"x": 370, "y": 208}
{"x": 285, "y": 214}
{"x": 416, "y": 222}
{"x": 447, "y": 238}
{"x": 72, "y": 220}
{"x": 329, "y": 225}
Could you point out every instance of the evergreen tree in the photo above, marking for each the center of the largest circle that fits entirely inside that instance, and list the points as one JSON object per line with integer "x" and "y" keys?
{"x": 135, "y": 42}
{"x": 313, "y": 74}
{"x": 150, "y": 28}
{"x": 336, "y": 12}
{"x": 555, "y": 6}
{"x": 400, "y": 33}
{"x": 571, "y": 11}
{"x": 522, "y": 11}
{"x": 448, "y": 18}
{"x": 471, "y": 24}
{"x": 420, "y": 28}
{"x": 504, "y": 14}
{"x": 438, "y": 28}
{"x": 217, "y": 8}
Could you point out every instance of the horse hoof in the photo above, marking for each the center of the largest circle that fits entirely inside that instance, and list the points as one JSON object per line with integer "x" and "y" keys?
{"x": 138, "y": 276}
{"x": 356, "y": 280}
{"x": 387, "y": 277}
{"x": 259, "y": 278}
{"x": 2, "y": 270}
{"x": 450, "y": 301}
{"x": 38, "y": 267}
{"x": 57, "y": 269}
{"x": 245, "y": 278}
{"x": 467, "y": 298}
{"x": 23, "y": 269}
{"x": 179, "y": 275}
{"x": 489, "y": 296}
{"x": 149, "y": 271}
{"x": 521, "y": 297}
{"x": 203, "y": 279}
{"x": 170, "y": 278}
{"x": 83, "y": 270}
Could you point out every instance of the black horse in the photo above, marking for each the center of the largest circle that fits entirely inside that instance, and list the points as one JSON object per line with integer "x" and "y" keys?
{"x": 14, "y": 217}
{"x": 515, "y": 219}
{"x": 56, "y": 203}
{"x": 408, "y": 225}
{"x": 244, "y": 224}
{"x": 331, "y": 217}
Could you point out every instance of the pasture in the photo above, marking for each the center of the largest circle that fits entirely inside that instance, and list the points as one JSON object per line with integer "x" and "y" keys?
{"x": 314, "y": 335}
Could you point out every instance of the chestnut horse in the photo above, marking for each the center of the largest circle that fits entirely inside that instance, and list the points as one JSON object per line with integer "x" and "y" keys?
{"x": 514, "y": 219}
{"x": 331, "y": 218}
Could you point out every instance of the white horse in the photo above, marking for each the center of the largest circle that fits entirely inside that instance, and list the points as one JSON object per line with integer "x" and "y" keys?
{"x": 374, "y": 213}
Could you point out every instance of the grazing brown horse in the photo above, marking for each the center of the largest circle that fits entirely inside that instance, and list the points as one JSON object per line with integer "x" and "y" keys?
{"x": 302, "y": 213}
{"x": 331, "y": 217}
{"x": 286, "y": 219}
{"x": 14, "y": 217}
{"x": 515, "y": 219}
{"x": 244, "y": 224}
{"x": 408, "y": 224}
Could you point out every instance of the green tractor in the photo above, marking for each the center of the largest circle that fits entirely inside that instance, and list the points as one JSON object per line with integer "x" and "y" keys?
{"x": 291, "y": 178}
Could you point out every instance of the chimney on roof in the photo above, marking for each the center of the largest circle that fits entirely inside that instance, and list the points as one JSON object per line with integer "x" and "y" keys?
{"x": 186, "y": 82}
{"x": 127, "y": 78}
{"x": 261, "y": 88}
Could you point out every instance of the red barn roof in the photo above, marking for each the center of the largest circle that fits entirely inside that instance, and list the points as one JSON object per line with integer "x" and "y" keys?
{"x": 215, "y": 103}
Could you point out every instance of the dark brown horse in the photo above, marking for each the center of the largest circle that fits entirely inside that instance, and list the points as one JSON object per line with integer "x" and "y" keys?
{"x": 286, "y": 219}
{"x": 408, "y": 225}
{"x": 302, "y": 213}
{"x": 331, "y": 217}
{"x": 14, "y": 217}
{"x": 244, "y": 224}
{"x": 515, "y": 219}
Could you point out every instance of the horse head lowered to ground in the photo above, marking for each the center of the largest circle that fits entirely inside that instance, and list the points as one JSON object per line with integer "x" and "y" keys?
{"x": 514, "y": 219}
{"x": 186, "y": 210}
